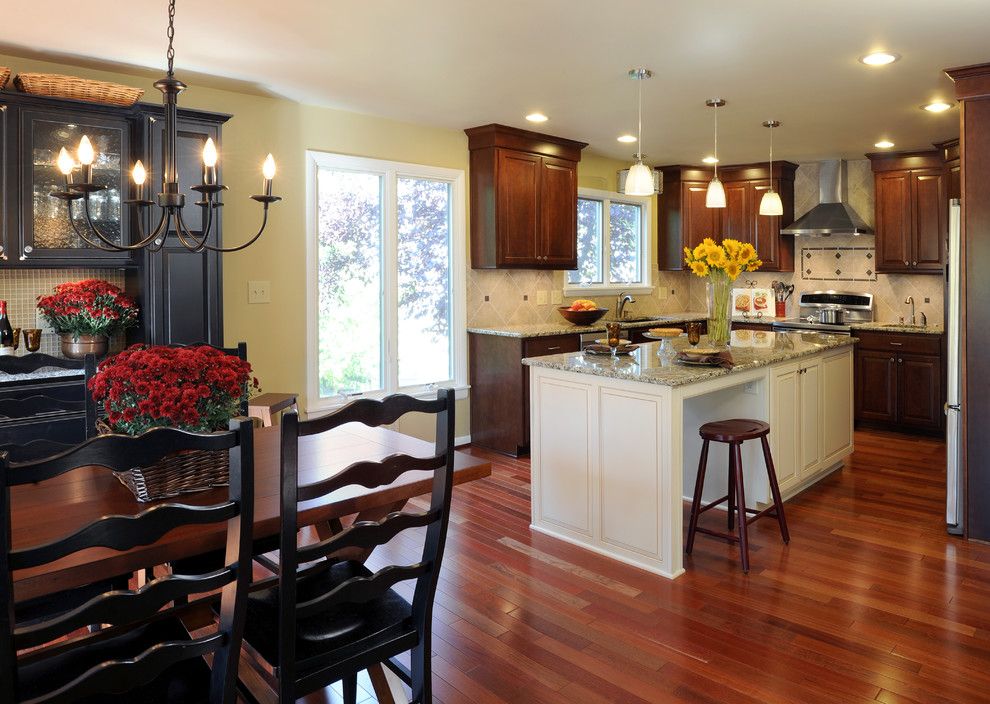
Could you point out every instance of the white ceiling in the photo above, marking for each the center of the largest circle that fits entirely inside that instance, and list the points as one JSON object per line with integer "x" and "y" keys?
{"x": 460, "y": 63}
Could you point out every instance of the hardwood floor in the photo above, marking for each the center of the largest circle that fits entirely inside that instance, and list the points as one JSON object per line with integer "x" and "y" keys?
{"x": 871, "y": 602}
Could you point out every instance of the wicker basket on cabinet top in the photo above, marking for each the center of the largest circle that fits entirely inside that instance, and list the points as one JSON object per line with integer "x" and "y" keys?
{"x": 58, "y": 86}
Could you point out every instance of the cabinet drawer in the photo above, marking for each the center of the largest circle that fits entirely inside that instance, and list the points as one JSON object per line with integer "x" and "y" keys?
{"x": 901, "y": 342}
{"x": 553, "y": 344}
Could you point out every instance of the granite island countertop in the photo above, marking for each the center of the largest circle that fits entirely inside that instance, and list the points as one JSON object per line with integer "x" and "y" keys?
{"x": 645, "y": 366}
{"x": 565, "y": 328}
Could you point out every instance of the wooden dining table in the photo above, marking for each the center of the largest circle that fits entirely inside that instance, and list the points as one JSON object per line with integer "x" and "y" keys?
{"x": 58, "y": 507}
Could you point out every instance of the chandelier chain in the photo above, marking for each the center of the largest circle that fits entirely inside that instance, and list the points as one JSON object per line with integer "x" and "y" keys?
{"x": 170, "y": 54}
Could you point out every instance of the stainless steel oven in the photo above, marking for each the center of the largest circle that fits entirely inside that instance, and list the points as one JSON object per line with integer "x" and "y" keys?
{"x": 856, "y": 308}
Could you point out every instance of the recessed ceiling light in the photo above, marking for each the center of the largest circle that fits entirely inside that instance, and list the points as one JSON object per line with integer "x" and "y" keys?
{"x": 937, "y": 106}
{"x": 537, "y": 117}
{"x": 626, "y": 138}
{"x": 710, "y": 160}
{"x": 884, "y": 144}
{"x": 879, "y": 58}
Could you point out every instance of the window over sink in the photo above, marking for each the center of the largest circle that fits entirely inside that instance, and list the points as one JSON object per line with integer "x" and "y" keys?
{"x": 386, "y": 268}
{"x": 613, "y": 244}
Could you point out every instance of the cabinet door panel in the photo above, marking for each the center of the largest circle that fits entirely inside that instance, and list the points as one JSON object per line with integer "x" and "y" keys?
{"x": 837, "y": 403}
{"x": 930, "y": 220}
{"x": 876, "y": 386}
{"x": 697, "y": 220}
{"x": 558, "y": 213}
{"x": 811, "y": 416}
{"x": 736, "y": 218}
{"x": 893, "y": 226}
{"x": 919, "y": 391}
{"x": 518, "y": 208}
{"x": 785, "y": 433}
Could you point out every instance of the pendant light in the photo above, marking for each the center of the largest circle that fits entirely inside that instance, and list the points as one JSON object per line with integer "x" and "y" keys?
{"x": 639, "y": 180}
{"x": 715, "y": 197}
{"x": 770, "y": 203}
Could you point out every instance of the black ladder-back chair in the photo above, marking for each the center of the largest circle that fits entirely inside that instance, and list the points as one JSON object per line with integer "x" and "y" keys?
{"x": 145, "y": 655}
{"x": 41, "y": 404}
{"x": 332, "y": 618}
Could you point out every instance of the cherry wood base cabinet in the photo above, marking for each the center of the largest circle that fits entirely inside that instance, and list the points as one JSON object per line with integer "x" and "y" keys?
{"x": 684, "y": 220}
{"x": 500, "y": 387}
{"x": 912, "y": 211}
{"x": 523, "y": 199}
{"x": 900, "y": 382}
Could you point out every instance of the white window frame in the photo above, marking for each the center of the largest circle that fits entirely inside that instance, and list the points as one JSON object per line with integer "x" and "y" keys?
{"x": 646, "y": 263}
{"x": 390, "y": 171}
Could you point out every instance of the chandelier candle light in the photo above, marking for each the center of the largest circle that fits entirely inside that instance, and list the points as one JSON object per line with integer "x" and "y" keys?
{"x": 715, "y": 197}
{"x": 639, "y": 180}
{"x": 771, "y": 204}
{"x": 171, "y": 201}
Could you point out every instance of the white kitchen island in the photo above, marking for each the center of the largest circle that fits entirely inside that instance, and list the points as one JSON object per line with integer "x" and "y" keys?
{"x": 615, "y": 445}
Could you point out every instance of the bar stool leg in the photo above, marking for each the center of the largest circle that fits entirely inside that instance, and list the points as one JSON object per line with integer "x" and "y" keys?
{"x": 732, "y": 490}
{"x": 775, "y": 490}
{"x": 735, "y": 449}
{"x": 699, "y": 487}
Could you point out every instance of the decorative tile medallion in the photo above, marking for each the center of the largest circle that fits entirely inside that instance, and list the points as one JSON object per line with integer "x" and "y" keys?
{"x": 838, "y": 264}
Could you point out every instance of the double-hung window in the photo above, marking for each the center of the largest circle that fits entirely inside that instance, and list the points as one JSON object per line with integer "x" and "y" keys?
{"x": 613, "y": 244}
{"x": 386, "y": 271}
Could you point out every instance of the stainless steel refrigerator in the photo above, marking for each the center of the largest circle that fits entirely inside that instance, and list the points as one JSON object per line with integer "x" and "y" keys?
{"x": 954, "y": 511}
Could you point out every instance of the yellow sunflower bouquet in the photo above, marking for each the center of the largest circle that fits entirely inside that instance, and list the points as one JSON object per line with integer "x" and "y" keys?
{"x": 721, "y": 264}
{"x": 732, "y": 257}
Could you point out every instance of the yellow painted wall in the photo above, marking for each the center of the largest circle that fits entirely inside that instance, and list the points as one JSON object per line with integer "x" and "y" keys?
{"x": 276, "y": 333}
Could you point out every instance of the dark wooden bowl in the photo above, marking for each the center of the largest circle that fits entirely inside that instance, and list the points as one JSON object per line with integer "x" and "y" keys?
{"x": 582, "y": 317}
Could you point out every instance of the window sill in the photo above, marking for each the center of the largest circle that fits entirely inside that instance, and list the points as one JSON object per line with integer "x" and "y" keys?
{"x": 323, "y": 406}
{"x": 593, "y": 291}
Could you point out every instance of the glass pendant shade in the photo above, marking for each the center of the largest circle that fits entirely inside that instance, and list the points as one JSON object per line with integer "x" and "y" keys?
{"x": 639, "y": 180}
{"x": 770, "y": 204}
{"x": 715, "y": 197}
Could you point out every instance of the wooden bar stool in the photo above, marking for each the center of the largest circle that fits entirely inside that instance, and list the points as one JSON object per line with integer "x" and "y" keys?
{"x": 734, "y": 433}
{"x": 266, "y": 405}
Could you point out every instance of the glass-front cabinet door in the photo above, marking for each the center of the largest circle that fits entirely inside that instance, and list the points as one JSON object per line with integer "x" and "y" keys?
{"x": 46, "y": 233}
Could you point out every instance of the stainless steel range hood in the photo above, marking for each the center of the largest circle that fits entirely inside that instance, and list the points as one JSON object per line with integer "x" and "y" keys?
{"x": 832, "y": 215}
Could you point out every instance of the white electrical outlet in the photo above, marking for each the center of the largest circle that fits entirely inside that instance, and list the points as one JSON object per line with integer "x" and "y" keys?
{"x": 556, "y": 297}
{"x": 662, "y": 293}
{"x": 541, "y": 298}
{"x": 259, "y": 292}
{"x": 750, "y": 388}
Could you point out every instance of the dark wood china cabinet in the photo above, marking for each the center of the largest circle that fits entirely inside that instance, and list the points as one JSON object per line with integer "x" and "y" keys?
{"x": 179, "y": 292}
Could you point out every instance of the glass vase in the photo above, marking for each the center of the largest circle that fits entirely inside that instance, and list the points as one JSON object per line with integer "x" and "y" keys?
{"x": 719, "y": 307}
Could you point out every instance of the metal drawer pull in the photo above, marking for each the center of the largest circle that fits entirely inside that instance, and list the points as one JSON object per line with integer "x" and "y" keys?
{"x": 896, "y": 344}
{"x": 551, "y": 349}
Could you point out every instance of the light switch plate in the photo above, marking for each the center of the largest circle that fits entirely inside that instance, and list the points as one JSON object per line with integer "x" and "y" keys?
{"x": 556, "y": 297}
{"x": 541, "y": 298}
{"x": 259, "y": 291}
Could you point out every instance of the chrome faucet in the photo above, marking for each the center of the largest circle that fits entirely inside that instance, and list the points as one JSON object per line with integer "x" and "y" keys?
{"x": 621, "y": 300}
{"x": 924, "y": 319}
{"x": 910, "y": 301}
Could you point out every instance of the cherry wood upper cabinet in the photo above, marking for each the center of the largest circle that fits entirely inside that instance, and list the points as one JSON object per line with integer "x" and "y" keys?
{"x": 523, "y": 199}
{"x": 912, "y": 211}
{"x": 683, "y": 220}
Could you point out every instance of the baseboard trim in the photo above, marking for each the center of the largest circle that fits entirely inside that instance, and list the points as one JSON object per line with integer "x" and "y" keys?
{"x": 462, "y": 440}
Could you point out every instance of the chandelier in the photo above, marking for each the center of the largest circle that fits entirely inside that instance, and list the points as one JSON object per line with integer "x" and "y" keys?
{"x": 170, "y": 201}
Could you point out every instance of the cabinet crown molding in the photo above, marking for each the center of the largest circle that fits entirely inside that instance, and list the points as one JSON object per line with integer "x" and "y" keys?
{"x": 495, "y": 135}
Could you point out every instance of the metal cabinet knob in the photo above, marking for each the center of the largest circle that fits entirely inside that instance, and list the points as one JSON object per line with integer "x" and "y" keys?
{"x": 3, "y": 254}
{"x": 891, "y": 360}
{"x": 914, "y": 263}
{"x": 28, "y": 249}
{"x": 906, "y": 263}
{"x": 899, "y": 360}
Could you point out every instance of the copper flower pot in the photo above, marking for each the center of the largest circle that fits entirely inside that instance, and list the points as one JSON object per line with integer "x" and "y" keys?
{"x": 79, "y": 347}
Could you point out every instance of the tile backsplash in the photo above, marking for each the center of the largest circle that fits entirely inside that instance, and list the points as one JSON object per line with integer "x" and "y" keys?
{"x": 507, "y": 297}
{"x": 21, "y": 288}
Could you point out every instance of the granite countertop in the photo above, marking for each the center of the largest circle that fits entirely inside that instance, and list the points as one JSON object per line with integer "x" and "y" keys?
{"x": 899, "y": 327}
{"x": 645, "y": 366}
{"x": 565, "y": 328}
{"x": 45, "y": 373}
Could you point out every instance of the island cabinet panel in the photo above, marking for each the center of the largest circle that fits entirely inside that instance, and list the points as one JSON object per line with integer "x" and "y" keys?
{"x": 837, "y": 405}
{"x": 629, "y": 451}
{"x": 912, "y": 210}
{"x": 785, "y": 431}
{"x": 523, "y": 188}
{"x": 810, "y": 380}
{"x": 565, "y": 431}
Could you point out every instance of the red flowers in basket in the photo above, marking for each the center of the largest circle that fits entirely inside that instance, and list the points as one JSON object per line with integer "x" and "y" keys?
{"x": 198, "y": 388}
{"x": 90, "y": 307}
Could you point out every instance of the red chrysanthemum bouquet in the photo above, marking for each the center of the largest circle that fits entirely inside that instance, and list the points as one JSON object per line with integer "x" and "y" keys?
{"x": 90, "y": 307}
{"x": 197, "y": 388}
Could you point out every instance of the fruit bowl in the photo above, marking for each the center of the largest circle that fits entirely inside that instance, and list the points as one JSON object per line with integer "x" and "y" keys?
{"x": 582, "y": 317}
